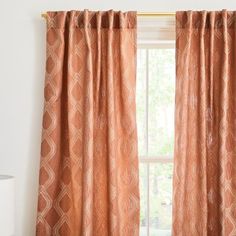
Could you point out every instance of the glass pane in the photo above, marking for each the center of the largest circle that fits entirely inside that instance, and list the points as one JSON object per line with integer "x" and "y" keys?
{"x": 143, "y": 198}
{"x": 160, "y": 199}
{"x": 161, "y": 101}
{"x": 141, "y": 101}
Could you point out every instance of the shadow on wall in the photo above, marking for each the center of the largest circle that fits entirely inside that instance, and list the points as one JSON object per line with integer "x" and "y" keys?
{"x": 32, "y": 170}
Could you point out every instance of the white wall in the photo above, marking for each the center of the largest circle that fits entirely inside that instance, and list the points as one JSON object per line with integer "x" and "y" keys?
{"x": 22, "y": 60}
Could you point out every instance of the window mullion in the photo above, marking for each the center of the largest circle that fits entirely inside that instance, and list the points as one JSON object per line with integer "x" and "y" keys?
{"x": 147, "y": 119}
{"x": 155, "y": 160}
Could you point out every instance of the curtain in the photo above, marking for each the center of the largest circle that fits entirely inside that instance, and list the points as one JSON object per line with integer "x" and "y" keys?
{"x": 89, "y": 165}
{"x": 204, "y": 195}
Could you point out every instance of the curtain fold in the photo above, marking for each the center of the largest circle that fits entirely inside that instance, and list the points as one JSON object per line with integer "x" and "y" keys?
{"x": 89, "y": 165}
{"x": 204, "y": 194}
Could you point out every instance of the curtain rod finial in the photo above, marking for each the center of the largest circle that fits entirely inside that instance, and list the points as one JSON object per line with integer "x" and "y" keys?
{"x": 44, "y": 15}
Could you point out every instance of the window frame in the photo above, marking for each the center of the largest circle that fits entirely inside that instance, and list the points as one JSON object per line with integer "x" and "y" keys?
{"x": 146, "y": 159}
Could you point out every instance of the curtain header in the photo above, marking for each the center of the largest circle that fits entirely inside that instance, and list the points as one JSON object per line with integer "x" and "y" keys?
{"x": 92, "y": 19}
{"x": 206, "y": 19}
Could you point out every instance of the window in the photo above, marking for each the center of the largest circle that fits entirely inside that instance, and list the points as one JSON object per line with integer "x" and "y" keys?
{"x": 155, "y": 120}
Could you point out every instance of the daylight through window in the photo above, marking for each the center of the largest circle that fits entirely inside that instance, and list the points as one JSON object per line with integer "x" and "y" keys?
{"x": 155, "y": 120}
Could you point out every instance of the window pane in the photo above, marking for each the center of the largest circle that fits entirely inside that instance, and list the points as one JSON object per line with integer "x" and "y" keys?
{"x": 161, "y": 101}
{"x": 155, "y": 123}
{"x": 143, "y": 198}
{"x": 141, "y": 101}
{"x": 160, "y": 199}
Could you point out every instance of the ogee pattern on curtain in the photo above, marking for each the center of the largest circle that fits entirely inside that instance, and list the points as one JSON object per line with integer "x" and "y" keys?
{"x": 204, "y": 199}
{"x": 89, "y": 165}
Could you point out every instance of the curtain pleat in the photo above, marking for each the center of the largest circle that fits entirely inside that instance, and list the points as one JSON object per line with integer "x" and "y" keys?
{"x": 89, "y": 165}
{"x": 204, "y": 188}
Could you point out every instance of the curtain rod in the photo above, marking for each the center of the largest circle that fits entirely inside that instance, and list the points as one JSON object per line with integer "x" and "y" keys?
{"x": 145, "y": 14}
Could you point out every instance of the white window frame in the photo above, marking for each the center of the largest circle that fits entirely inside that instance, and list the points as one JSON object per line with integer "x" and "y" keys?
{"x": 153, "y": 32}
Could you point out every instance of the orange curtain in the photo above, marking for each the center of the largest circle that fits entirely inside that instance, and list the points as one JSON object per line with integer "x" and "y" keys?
{"x": 204, "y": 199}
{"x": 89, "y": 165}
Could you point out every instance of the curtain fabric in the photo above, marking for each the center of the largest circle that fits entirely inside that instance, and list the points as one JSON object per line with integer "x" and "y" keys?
{"x": 89, "y": 165}
{"x": 204, "y": 198}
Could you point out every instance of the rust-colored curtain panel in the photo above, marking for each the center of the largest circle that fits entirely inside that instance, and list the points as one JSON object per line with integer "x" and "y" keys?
{"x": 205, "y": 143}
{"x": 89, "y": 165}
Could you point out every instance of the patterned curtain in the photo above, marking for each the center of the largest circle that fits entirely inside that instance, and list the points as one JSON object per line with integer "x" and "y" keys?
{"x": 205, "y": 142}
{"x": 89, "y": 165}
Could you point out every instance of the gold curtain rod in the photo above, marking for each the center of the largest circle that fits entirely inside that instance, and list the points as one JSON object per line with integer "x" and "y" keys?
{"x": 146, "y": 14}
